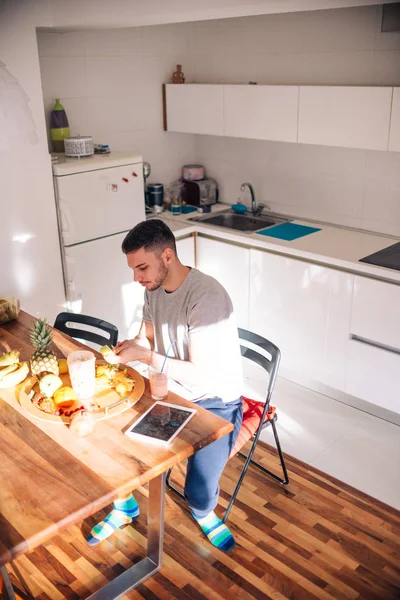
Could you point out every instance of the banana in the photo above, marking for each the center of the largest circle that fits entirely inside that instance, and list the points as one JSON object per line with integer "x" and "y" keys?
{"x": 6, "y": 370}
{"x": 10, "y": 358}
{"x": 14, "y": 378}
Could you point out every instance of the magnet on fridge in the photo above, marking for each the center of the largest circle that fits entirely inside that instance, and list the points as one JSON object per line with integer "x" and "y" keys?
{"x": 134, "y": 174}
{"x": 125, "y": 179}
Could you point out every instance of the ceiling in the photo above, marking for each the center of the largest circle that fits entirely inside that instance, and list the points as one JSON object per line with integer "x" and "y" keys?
{"x": 98, "y": 14}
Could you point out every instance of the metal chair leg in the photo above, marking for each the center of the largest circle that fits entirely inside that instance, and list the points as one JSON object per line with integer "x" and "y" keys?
{"x": 8, "y": 591}
{"x": 249, "y": 460}
{"x": 239, "y": 483}
{"x": 171, "y": 487}
{"x": 283, "y": 480}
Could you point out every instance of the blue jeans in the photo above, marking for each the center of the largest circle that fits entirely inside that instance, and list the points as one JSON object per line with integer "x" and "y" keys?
{"x": 205, "y": 467}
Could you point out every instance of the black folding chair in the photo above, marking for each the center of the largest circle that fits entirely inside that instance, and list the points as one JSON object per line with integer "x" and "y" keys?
{"x": 69, "y": 323}
{"x": 256, "y": 415}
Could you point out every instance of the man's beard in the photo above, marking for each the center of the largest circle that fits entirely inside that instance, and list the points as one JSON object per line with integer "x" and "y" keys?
{"x": 159, "y": 280}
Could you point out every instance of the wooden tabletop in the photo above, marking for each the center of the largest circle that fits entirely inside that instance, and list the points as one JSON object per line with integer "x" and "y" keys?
{"x": 51, "y": 478}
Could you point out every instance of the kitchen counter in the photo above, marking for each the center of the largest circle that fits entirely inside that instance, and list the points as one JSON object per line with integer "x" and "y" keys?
{"x": 332, "y": 246}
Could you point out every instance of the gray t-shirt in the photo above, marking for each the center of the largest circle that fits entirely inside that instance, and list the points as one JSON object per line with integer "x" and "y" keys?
{"x": 201, "y": 310}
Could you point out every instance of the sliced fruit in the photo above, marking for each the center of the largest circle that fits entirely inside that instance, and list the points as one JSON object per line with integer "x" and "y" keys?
{"x": 107, "y": 370}
{"x": 49, "y": 384}
{"x": 43, "y": 403}
{"x": 127, "y": 381}
{"x": 62, "y": 366}
{"x": 102, "y": 379}
{"x": 6, "y": 370}
{"x": 121, "y": 389}
{"x": 10, "y": 358}
{"x": 108, "y": 353}
{"x": 14, "y": 378}
{"x": 65, "y": 396}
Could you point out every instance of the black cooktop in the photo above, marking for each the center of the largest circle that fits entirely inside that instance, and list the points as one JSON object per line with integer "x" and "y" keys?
{"x": 388, "y": 257}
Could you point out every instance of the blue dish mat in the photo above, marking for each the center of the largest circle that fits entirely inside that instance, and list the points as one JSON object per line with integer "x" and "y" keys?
{"x": 288, "y": 231}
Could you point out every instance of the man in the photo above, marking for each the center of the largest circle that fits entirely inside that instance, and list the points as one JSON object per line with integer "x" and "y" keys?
{"x": 192, "y": 308}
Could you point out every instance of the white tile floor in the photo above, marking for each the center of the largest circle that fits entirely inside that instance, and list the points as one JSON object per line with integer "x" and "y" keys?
{"x": 344, "y": 442}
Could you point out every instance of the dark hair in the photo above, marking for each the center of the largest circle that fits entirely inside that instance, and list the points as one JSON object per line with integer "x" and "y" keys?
{"x": 152, "y": 235}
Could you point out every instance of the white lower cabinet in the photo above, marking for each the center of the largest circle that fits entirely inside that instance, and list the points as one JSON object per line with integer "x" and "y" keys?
{"x": 373, "y": 364}
{"x": 332, "y": 327}
{"x": 229, "y": 264}
{"x": 375, "y": 314}
{"x": 185, "y": 250}
{"x": 305, "y": 310}
{"x": 373, "y": 374}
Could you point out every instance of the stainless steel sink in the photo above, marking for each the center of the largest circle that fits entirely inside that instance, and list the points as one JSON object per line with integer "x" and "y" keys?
{"x": 239, "y": 222}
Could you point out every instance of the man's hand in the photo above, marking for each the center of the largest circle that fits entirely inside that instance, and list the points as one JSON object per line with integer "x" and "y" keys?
{"x": 130, "y": 350}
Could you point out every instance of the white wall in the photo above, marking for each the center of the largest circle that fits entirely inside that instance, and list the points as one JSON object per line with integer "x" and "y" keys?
{"x": 31, "y": 269}
{"x": 349, "y": 187}
{"x": 109, "y": 83}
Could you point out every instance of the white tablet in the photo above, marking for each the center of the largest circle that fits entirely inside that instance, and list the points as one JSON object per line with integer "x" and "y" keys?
{"x": 161, "y": 422}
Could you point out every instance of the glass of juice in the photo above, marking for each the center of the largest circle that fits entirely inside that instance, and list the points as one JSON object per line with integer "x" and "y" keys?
{"x": 158, "y": 383}
{"x": 82, "y": 373}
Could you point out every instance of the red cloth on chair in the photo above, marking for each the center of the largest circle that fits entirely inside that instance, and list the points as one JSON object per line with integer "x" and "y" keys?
{"x": 252, "y": 413}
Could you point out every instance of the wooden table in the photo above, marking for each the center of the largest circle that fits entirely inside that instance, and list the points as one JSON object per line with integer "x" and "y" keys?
{"x": 51, "y": 479}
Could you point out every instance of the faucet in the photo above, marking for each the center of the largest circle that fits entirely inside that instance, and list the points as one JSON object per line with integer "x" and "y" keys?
{"x": 256, "y": 210}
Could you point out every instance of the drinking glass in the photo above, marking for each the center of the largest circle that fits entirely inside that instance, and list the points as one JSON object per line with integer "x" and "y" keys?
{"x": 175, "y": 193}
{"x": 82, "y": 373}
{"x": 158, "y": 383}
{"x": 176, "y": 205}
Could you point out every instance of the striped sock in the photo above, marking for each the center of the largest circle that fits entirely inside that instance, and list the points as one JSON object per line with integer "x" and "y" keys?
{"x": 218, "y": 533}
{"x": 125, "y": 511}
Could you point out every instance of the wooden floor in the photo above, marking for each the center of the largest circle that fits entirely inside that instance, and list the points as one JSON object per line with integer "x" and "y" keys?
{"x": 315, "y": 538}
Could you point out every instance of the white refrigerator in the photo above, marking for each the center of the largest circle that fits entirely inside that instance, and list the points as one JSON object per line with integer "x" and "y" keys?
{"x": 99, "y": 199}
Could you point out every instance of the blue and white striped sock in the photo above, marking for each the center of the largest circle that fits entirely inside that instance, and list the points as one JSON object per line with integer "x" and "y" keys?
{"x": 125, "y": 511}
{"x": 218, "y": 533}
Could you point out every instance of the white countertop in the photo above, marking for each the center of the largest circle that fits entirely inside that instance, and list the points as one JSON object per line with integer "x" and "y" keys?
{"x": 332, "y": 246}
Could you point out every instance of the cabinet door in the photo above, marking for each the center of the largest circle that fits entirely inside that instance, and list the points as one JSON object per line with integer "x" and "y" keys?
{"x": 194, "y": 108}
{"x": 375, "y": 314}
{"x": 229, "y": 264}
{"x": 352, "y": 117}
{"x": 263, "y": 112}
{"x": 373, "y": 374}
{"x": 185, "y": 249}
{"x": 394, "y": 135}
{"x": 305, "y": 310}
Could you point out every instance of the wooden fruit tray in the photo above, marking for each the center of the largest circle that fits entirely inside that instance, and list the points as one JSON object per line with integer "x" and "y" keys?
{"x": 109, "y": 402}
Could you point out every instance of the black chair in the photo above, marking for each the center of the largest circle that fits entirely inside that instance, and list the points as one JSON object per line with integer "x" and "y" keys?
{"x": 64, "y": 319}
{"x": 256, "y": 415}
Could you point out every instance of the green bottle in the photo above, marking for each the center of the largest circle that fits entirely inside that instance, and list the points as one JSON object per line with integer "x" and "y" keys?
{"x": 59, "y": 127}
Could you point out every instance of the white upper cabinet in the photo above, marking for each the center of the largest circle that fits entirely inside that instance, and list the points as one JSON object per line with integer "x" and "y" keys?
{"x": 194, "y": 108}
{"x": 343, "y": 116}
{"x": 394, "y": 137}
{"x": 262, "y": 112}
{"x": 351, "y": 117}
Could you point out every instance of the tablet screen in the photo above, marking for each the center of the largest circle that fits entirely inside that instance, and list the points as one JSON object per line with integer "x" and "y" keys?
{"x": 162, "y": 422}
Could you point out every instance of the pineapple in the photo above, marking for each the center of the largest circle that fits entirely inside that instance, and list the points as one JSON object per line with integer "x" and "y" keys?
{"x": 43, "y": 360}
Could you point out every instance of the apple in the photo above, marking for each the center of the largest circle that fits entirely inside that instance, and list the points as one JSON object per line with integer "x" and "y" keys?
{"x": 49, "y": 384}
